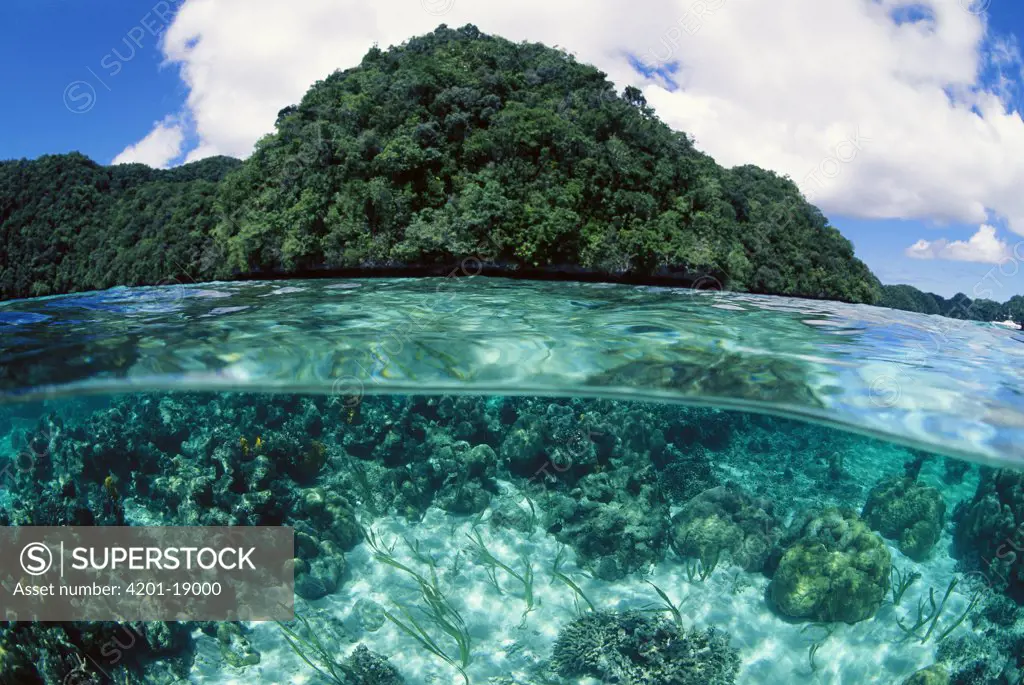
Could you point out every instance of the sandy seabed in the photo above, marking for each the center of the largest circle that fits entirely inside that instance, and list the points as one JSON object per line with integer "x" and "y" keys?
{"x": 509, "y": 648}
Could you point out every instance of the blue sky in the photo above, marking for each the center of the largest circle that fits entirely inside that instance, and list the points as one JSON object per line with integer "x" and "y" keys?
{"x": 95, "y": 77}
{"x": 48, "y": 47}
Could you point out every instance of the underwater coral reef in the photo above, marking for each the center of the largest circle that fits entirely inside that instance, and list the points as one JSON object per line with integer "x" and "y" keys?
{"x": 535, "y": 540}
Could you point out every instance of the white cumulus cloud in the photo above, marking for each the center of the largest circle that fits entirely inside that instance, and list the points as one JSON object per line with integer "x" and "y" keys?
{"x": 984, "y": 246}
{"x": 159, "y": 148}
{"x": 876, "y": 108}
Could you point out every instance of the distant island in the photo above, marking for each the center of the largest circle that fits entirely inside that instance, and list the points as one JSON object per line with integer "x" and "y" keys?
{"x": 451, "y": 146}
{"x": 909, "y": 298}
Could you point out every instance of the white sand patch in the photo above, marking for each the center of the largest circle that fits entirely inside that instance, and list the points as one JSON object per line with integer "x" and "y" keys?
{"x": 505, "y": 644}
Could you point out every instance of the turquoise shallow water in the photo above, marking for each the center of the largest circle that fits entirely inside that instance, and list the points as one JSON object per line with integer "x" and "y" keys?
{"x": 948, "y": 385}
{"x": 521, "y": 483}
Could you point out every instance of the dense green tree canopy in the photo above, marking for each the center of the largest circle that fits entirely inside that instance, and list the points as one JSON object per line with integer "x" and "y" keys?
{"x": 453, "y": 145}
{"x": 67, "y": 223}
{"x": 459, "y": 144}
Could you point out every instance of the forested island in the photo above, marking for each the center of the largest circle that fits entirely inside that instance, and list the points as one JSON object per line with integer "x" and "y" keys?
{"x": 453, "y": 145}
{"x": 909, "y": 298}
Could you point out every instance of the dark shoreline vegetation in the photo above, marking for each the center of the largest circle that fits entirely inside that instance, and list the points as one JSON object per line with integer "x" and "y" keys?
{"x": 622, "y": 485}
{"x": 453, "y": 146}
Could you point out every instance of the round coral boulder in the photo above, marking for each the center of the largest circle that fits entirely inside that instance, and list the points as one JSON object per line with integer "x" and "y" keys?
{"x": 908, "y": 512}
{"x": 833, "y": 568}
{"x": 933, "y": 675}
{"x": 726, "y": 519}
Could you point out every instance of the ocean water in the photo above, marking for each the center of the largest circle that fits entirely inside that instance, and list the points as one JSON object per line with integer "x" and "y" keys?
{"x": 513, "y": 482}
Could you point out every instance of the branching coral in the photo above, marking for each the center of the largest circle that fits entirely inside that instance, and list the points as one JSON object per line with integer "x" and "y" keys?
{"x": 633, "y": 648}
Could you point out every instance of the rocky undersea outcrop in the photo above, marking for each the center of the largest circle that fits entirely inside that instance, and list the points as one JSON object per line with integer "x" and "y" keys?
{"x": 989, "y": 531}
{"x": 906, "y": 510}
{"x": 726, "y": 520}
{"x": 364, "y": 667}
{"x": 617, "y": 522}
{"x": 598, "y": 475}
{"x": 831, "y": 567}
{"x": 933, "y": 675}
{"x": 42, "y": 654}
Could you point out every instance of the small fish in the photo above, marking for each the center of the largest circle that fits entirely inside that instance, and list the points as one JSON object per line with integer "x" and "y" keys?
{"x": 110, "y": 485}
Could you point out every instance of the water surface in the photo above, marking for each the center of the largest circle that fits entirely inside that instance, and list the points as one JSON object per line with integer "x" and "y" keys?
{"x": 948, "y": 385}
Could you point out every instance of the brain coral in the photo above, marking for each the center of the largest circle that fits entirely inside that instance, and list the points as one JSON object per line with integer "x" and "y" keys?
{"x": 832, "y": 568}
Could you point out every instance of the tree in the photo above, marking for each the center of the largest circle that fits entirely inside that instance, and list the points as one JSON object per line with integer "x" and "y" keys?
{"x": 451, "y": 145}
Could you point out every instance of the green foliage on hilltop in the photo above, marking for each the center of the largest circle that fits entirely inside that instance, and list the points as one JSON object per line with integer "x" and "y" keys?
{"x": 459, "y": 144}
{"x": 453, "y": 145}
{"x": 69, "y": 224}
{"x": 910, "y": 299}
